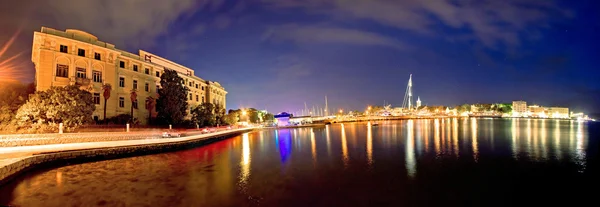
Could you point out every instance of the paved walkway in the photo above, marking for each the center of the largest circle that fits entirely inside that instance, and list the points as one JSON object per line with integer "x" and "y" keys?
{"x": 9, "y": 155}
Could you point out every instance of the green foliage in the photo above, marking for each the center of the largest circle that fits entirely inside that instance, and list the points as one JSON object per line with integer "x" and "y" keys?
{"x": 12, "y": 96}
{"x": 463, "y": 108}
{"x": 253, "y": 115}
{"x": 356, "y": 113}
{"x": 121, "y": 119}
{"x": 268, "y": 117}
{"x": 219, "y": 114}
{"x": 203, "y": 115}
{"x": 230, "y": 119}
{"x": 504, "y": 108}
{"x": 68, "y": 105}
{"x": 106, "y": 88}
{"x": 172, "y": 98}
{"x": 440, "y": 109}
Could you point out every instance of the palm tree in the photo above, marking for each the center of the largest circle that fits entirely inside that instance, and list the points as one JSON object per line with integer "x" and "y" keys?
{"x": 150, "y": 102}
{"x": 133, "y": 97}
{"x": 106, "y": 88}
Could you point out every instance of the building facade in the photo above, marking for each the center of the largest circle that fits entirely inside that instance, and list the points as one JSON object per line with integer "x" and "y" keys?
{"x": 558, "y": 112}
{"x": 75, "y": 57}
{"x": 519, "y": 107}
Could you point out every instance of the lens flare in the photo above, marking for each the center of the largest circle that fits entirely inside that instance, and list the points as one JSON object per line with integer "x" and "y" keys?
{"x": 8, "y": 67}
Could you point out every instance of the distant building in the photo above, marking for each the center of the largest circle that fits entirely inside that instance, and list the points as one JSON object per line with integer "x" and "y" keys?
{"x": 283, "y": 119}
{"x": 537, "y": 111}
{"x": 519, "y": 107}
{"x": 558, "y": 112}
{"x": 418, "y": 102}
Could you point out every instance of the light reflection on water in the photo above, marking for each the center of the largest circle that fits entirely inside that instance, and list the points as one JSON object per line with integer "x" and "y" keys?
{"x": 410, "y": 149}
{"x": 266, "y": 167}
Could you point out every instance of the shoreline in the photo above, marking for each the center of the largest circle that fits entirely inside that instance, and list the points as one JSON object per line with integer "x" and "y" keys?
{"x": 442, "y": 117}
{"x": 19, "y": 160}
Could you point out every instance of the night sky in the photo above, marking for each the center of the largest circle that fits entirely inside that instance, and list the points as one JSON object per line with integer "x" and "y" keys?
{"x": 278, "y": 54}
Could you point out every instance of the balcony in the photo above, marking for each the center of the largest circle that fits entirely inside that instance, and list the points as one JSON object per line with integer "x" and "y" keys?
{"x": 82, "y": 81}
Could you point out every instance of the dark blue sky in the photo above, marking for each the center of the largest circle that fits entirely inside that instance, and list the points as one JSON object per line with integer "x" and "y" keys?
{"x": 278, "y": 54}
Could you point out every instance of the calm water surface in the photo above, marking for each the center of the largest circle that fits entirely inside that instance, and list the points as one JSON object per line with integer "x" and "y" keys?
{"x": 449, "y": 162}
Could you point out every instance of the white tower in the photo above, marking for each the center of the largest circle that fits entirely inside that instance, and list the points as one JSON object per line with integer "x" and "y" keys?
{"x": 418, "y": 102}
{"x": 407, "y": 103}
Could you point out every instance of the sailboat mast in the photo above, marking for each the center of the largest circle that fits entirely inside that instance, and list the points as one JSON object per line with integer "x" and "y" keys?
{"x": 326, "y": 107}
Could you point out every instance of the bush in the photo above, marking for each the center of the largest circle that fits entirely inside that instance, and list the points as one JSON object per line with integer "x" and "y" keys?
{"x": 121, "y": 119}
{"x": 68, "y": 105}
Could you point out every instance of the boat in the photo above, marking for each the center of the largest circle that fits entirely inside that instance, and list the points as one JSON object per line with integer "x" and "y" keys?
{"x": 375, "y": 124}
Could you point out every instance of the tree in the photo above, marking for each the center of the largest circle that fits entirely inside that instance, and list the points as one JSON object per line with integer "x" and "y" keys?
{"x": 106, "y": 88}
{"x": 133, "y": 97}
{"x": 203, "y": 114}
{"x": 463, "y": 108}
{"x": 356, "y": 113}
{"x": 68, "y": 105}
{"x": 268, "y": 117}
{"x": 219, "y": 114}
{"x": 12, "y": 96}
{"x": 150, "y": 103}
{"x": 230, "y": 118}
{"x": 172, "y": 98}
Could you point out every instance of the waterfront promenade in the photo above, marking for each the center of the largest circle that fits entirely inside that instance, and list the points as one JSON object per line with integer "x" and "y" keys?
{"x": 14, "y": 160}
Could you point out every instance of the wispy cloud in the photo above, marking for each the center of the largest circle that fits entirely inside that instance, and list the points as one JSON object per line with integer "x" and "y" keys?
{"x": 311, "y": 34}
{"x": 490, "y": 22}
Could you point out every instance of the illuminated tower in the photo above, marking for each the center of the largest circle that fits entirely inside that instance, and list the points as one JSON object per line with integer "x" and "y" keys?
{"x": 407, "y": 102}
{"x": 418, "y": 102}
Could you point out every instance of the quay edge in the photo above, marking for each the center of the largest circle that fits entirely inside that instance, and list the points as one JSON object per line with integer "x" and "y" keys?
{"x": 13, "y": 167}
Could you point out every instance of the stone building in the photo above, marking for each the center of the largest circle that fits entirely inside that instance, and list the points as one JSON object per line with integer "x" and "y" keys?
{"x": 75, "y": 57}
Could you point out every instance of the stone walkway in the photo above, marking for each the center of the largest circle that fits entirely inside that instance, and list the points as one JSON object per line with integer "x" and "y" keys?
{"x": 9, "y": 155}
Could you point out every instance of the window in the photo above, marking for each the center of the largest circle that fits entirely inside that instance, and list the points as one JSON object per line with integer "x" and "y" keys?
{"x": 121, "y": 64}
{"x": 81, "y": 52}
{"x": 121, "y": 82}
{"x": 62, "y": 70}
{"x": 97, "y": 56}
{"x": 134, "y": 84}
{"x": 190, "y": 84}
{"x": 97, "y": 76}
{"x": 202, "y": 99}
{"x": 147, "y": 71}
{"x": 202, "y": 87}
{"x": 97, "y": 98}
{"x": 156, "y": 88}
{"x": 147, "y": 87}
{"x": 64, "y": 48}
{"x": 135, "y": 104}
{"x": 80, "y": 72}
{"x": 196, "y": 86}
{"x": 135, "y": 68}
{"x": 157, "y": 74}
{"x": 121, "y": 102}
{"x": 191, "y": 97}
{"x": 197, "y": 98}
